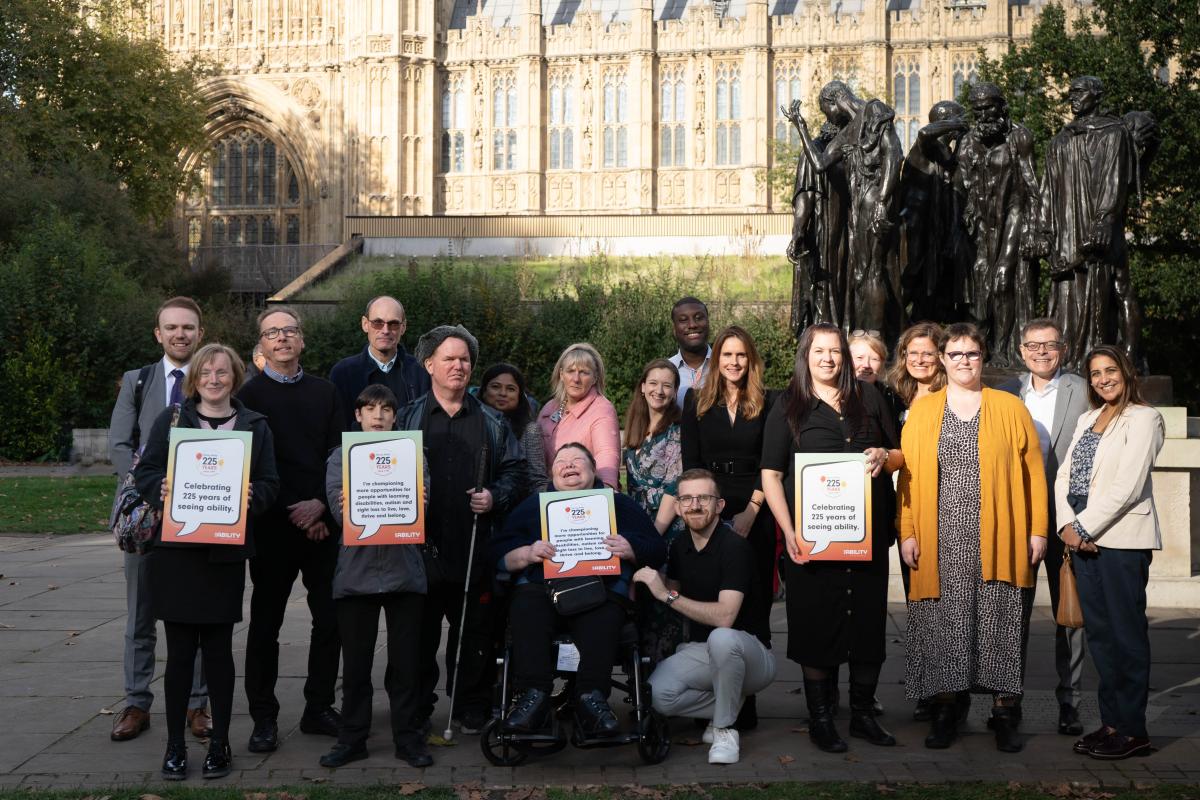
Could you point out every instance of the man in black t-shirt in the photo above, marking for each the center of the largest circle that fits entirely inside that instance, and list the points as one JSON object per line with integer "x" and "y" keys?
{"x": 710, "y": 581}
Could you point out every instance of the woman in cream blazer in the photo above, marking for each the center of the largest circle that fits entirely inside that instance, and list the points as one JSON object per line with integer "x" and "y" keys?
{"x": 1105, "y": 504}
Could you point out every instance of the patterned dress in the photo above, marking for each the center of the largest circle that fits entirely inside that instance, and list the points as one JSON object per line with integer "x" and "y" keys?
{"x": 970, "y": 638}
{"x": 651, "y": 471}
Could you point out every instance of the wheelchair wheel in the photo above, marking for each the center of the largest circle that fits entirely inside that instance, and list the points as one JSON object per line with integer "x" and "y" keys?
{"x": 654, "y": 743}
{"x": 498, "y": 748}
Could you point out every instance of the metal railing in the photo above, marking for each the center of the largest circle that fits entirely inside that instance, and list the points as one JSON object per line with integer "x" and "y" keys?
{"x": 260, "y": 268}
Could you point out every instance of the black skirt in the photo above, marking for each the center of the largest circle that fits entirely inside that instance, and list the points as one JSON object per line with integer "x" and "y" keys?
{"x": 186, "y": 587}
{"x": 837, "y": 612}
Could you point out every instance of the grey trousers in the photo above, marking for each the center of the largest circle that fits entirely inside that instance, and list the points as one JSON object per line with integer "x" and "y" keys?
{"x": 709, "y": 680}
{"x": 1068, "y": 642}
{"x": 141, "y": 635}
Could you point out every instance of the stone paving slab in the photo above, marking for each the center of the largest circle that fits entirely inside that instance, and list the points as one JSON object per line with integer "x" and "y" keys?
{"x": 60, "y": 682}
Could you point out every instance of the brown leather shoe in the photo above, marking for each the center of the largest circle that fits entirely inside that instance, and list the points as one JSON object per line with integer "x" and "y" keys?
{"x": 199, "y": 722}
{"x": 129, "y": 723}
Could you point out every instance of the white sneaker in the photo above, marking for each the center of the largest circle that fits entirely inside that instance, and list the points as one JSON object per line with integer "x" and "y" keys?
{"x": 707, "y": 737}
{"x": 726, "y": 746}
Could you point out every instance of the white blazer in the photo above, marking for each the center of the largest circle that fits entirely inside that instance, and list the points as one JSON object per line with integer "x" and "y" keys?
{"x": 1120, "y": 511}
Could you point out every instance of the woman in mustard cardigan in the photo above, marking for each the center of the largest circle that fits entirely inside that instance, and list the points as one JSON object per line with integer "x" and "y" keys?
{"x": 972, "y": 497}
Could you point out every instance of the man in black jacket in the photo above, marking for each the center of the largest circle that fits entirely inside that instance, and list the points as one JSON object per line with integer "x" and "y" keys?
{"x": 384, "y": 360}
{"x": 456, "y": 428}
{"x": 296, "y": 535}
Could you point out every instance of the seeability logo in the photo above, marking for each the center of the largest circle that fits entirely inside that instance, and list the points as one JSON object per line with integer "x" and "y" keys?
{"x": 210, "y": 463}
{"x": 577, "y": 513}
{"x": 832, "y": 486}
{"x": 382, "y": 462}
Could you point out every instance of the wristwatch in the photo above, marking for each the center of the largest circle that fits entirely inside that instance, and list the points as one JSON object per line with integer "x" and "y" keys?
{"x": 672, "y": 596}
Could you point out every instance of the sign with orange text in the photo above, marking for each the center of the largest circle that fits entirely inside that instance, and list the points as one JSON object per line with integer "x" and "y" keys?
{"x": 577, "y": 524}
{"x": 383, "y": 488}
{"x": 833, "y": 507}
{"x": 208, "y": 474}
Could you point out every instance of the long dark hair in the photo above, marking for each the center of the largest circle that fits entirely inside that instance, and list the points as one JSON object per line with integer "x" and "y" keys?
{"x": 523, "y": 414}
{"x": 1131, "y": 395}
{"x": 637, "y": 418}
{"x": 801, "y": 399}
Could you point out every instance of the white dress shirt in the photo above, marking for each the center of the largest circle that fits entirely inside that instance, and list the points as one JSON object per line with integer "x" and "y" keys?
{"x": 1041, "y": 407}
{"x": 689, "y": 377}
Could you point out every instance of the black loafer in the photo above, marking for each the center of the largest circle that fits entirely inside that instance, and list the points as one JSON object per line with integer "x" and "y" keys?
{"x": 174, "y": 766}
{"x": 219, "y": 761}
{"x": 322, "y": 722}
{"x": 1084, "y": 744}
{"x": 265, "y": 738}
{"x": 1068, "y": 720}
{"x": 530, "y": 712}
{"x": 1116, "y": 747}
{"x": 343, "y": 754}
{"x": 414, "y": 752}
{"x": 595, "y": 716}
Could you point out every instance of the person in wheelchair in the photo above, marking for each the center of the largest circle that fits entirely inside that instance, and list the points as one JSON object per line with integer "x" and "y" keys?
{"x": 710, "y": 581}
{"x": 596, "y": 631}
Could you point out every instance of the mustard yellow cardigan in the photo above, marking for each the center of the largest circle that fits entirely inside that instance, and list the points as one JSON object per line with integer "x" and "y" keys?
{"x": 1013, "y": 500}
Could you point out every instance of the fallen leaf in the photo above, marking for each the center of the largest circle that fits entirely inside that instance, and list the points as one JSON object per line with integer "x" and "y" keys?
{"x": 853, "y": 758}
{"x": 470, "y": 791}
{"x": 435, "y": 740}
{"x": 883, "y": 788}
{"x": 785, "y": 760}
{"x": 409, "y": 789}
{"x": 150, "y": 797}
{"x": 74, "y": 633}
{"x": 108, "y": 712}
{"x": 799, "y": 730}
{"x": 68, "y": 644}
{"x": 51, "y": 586}
{"x": 255, "y": 796}
{"x": 80, "y": 697}
{"x": 315, "y": 780}
{"x": 688, "y": 741}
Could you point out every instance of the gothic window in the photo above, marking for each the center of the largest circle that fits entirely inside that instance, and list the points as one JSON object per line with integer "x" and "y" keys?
{"x": 845, "y": 69}
{"x": 504, "y": 122}
{"x": 562, "y": 120}
{"x": 454, "y": 124}
{"x": 251, "y": 195}
{"x": 906, "y": 97}
{"x": 672, "y": 115}
{"x": 787, "y": 89}
{"x": 616, "y": 117}
{"x": 729, "y": 114}
{"x": 964, "y": 72}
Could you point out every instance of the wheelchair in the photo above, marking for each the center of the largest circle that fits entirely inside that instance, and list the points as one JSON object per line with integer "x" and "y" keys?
{"x": 648, "y": 728}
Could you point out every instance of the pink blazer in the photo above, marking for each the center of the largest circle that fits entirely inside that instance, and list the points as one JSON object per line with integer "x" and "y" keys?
{"x": 593, "y": 423}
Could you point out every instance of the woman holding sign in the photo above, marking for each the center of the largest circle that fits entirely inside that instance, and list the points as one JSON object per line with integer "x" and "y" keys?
{"x": 837, "y": 609}
{"x": 196, "y": 589}
{"x": 973, "y": 509}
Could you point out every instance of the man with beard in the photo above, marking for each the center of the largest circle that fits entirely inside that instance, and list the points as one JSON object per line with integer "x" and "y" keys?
{"x": 999, "y": 186}
{"x": 1090, "y": 168}
{"x": 689, "y": 322}
{"x": 868, "y": 144}
{"x": 934, "y": 275}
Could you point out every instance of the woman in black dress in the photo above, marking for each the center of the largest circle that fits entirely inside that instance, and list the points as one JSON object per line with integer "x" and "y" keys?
{"x": 722, "y": 432}
{"x": 837, "y": 611}
{"x": 196, "y": 589}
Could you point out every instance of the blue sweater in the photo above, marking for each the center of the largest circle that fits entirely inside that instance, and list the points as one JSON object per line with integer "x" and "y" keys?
{"x": 407, "y": 379}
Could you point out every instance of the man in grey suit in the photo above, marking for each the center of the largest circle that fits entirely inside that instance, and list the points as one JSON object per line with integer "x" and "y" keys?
{"x": 144, "y": 394}
{"x": 1055, "y": 400}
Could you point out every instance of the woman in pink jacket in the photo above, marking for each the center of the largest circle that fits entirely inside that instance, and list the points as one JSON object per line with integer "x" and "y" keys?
{"x": 579, "y": 412}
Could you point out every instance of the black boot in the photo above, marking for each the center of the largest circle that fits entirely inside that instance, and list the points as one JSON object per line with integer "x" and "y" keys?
{"x": 819, "y": 694}
{"x": 944, "y": 728}
{"x": 530, "y": 712}
{"x": 1004, "y": 724}
{"x": 863, "y": 724}
{"x": 174, "y": 766}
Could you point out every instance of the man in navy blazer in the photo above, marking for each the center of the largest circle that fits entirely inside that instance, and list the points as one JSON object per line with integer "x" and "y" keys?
{"x": 1055, "y": 400}
{"x": 178, "y": 329}
{"x": 384, "y": 360}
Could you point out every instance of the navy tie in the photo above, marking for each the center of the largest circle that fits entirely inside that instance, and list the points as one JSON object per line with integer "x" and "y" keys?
{"x": 176, "y": 386}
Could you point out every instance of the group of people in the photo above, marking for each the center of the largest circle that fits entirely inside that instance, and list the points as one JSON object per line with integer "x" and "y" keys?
{"x": 977, "y": 485}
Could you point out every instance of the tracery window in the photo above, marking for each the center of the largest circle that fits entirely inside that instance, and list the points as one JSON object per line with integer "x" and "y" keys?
{"x": 504, "y": 122}
{"x": 787, "y": 89}
{"x": 672, "y": 114}
{"x": 616, "y": 117}
{"x": 729, "y": 114}
{"x": 454, "y": 124}
{"x": 845, "y": 69}
{"x": 965, "y": 71}
{"x": 562, "y": 120}
{"x": 906, "y": 95}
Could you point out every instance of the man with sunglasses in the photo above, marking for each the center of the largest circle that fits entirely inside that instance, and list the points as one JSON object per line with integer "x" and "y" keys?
{"x": 297, "y": 535}
{"x": 1055, "y": 400}
{"x": 710, "y": 581}
{"x": 384, "y": 360}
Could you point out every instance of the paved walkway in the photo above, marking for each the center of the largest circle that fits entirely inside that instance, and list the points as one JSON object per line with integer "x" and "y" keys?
{"x": 62, "y": 619}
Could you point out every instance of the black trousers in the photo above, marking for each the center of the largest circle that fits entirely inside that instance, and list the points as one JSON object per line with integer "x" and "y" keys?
{"x": 596, "y": 634}
{"x": 215, "y": 643}
{"x": 476, "y": 675}
{"x": 283, "y": 553}
{"x": 1112, "y": 594}
{"x": 358, "y": 621}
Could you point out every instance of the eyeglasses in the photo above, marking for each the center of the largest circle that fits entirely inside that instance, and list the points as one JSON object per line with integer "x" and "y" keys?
{"x": 574, "y": 462}
{"x": 959, "y": 355}
{"x": 390, "y": 324}
{"x": 924, "y": 355}
{"x": 1042, "y": 347}
{"x": 854, "y": 334}
{"x": 290, "y": 332}
{"x": 702, "y": 500}
{"x": 219, "y": 374}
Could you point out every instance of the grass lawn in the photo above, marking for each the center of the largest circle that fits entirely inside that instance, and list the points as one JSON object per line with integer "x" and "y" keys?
{"x": 775, "y": 791}
{"x": 56, "y": 505}
{"x": 728, "y": 277}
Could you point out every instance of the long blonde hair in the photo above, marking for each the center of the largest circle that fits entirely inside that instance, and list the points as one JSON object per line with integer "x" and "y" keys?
{"x": 752, "y": 395}
{"x": 578, "y": 353}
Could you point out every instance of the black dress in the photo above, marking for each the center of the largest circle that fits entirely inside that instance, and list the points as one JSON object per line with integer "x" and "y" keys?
{"x": 732, "y": 451}
{"x": 837, "y": 611}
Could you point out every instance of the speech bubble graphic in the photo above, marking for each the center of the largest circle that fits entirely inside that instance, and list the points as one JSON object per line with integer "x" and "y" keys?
{"x": 579, "y": 526}
{"x": 207, "y": 489}
{"x": 383, "y": 485}
{"x": 829, "y": 512}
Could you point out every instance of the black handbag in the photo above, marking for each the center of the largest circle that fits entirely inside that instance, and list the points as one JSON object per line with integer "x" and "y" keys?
{"x": 571, "y": 596}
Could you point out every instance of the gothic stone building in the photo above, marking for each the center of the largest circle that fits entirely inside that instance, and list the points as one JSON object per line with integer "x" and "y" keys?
{"x": 401, "y": 118}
